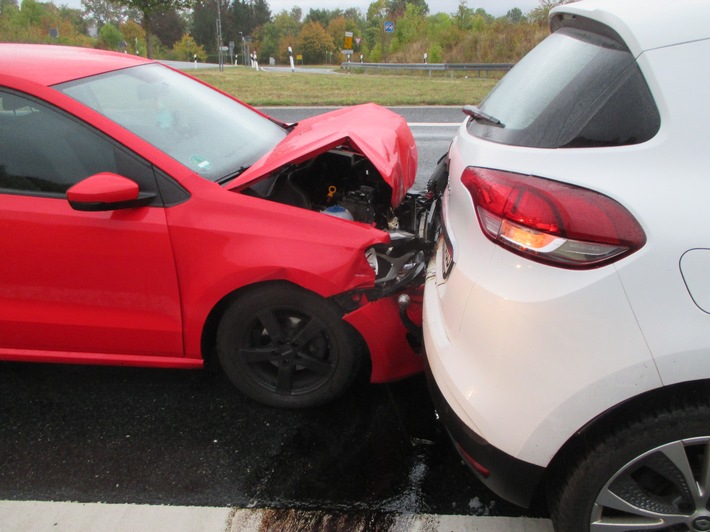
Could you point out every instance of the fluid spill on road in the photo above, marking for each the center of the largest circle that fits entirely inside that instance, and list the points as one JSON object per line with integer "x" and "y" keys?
{"x": 297, "y": 521}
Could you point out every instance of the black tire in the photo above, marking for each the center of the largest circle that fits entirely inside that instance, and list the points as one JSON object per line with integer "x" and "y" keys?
{"x": 651, "y": 473}
{"x": 286, "y": 347}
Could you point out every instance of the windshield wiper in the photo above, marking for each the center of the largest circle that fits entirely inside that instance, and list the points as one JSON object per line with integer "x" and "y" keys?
{"x": 234, "y": 175}
{"x": 288, "y": 127}
{"x": 475, "y": 112}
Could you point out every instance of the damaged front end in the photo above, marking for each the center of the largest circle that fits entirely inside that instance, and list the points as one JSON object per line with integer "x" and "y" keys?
{"x": 359, "y": 164}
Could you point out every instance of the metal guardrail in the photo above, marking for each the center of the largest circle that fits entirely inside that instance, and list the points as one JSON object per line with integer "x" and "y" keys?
{"x": 430, "y": 67}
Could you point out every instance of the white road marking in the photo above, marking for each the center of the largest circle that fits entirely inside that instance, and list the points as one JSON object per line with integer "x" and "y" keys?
{"x": 433, "y": 124}
{"x": 33, "y": 516}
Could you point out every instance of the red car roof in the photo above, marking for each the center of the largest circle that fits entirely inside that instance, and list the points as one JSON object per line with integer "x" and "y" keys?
{"x": 48, "y": 64}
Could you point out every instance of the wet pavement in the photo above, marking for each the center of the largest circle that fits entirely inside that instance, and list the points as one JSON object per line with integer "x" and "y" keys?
{"x": 154, "y": 436}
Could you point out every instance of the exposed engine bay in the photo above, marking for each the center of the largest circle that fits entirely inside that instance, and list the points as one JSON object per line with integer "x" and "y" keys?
{"x": 338, "y": 183}
{"x": 345, "y": 184}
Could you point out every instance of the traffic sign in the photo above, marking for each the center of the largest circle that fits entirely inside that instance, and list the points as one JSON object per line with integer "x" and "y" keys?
{"x": 389, "y": 27}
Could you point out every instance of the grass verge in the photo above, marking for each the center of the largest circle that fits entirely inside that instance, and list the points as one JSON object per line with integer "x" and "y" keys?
{"x": 292, "y": 89}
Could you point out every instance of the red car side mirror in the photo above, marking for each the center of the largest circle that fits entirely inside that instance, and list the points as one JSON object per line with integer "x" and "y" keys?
{"x": 107, "y": 192}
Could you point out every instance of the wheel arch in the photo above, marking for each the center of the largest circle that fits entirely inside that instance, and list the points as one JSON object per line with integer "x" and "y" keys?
{"x": 587, "y": 436}
{"x": 208, "y": 342}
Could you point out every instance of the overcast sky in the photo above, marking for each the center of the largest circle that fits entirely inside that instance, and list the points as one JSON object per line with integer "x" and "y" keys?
{"x": 494, "y": 7}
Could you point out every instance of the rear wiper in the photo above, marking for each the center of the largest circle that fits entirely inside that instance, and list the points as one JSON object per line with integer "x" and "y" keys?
{"x": 475, "y": 112}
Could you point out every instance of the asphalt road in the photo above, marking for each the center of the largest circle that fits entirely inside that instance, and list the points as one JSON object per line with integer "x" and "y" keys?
{"x": 178, "y": 437}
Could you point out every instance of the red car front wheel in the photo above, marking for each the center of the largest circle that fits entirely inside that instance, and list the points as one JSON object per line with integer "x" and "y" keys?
{"x": 286, "y": 347}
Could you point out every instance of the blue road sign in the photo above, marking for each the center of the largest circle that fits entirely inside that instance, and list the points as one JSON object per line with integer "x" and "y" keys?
{"x": 389, "y": 27}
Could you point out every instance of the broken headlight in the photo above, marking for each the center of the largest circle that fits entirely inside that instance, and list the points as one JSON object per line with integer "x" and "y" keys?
{"x": 398, "y": 264}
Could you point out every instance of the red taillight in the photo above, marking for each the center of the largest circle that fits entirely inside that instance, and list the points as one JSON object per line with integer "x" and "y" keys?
{"x": 552, "y": 222}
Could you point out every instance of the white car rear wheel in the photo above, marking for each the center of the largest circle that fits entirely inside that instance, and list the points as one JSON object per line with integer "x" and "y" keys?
{"x": 652, "y": 473}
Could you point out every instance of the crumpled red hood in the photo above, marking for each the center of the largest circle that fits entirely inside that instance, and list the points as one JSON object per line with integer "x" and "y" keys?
{"x": 380, "y": 135}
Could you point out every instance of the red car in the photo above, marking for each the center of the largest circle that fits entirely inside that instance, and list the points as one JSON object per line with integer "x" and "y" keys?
{"x": 148, "y": 219}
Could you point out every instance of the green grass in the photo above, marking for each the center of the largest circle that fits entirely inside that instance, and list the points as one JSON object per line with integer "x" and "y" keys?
{"x": 291, "y": 89}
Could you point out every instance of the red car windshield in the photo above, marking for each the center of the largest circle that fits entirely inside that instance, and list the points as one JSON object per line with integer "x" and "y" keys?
{"x": 205, "y": 130}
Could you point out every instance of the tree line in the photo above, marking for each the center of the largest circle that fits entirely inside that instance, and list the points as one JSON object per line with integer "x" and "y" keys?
{"x": 189, "y": 29}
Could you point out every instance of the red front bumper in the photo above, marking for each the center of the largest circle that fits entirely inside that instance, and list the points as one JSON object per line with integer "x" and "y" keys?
{"x": 388, "y": 340}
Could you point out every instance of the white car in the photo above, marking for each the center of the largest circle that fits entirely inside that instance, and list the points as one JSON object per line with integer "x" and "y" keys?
{"x": 567, "y": 310}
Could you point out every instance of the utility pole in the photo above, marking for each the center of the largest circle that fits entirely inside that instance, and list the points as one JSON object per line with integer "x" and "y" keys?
{"x": 244, "y": 53}
{"x": 219, "y": 35}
